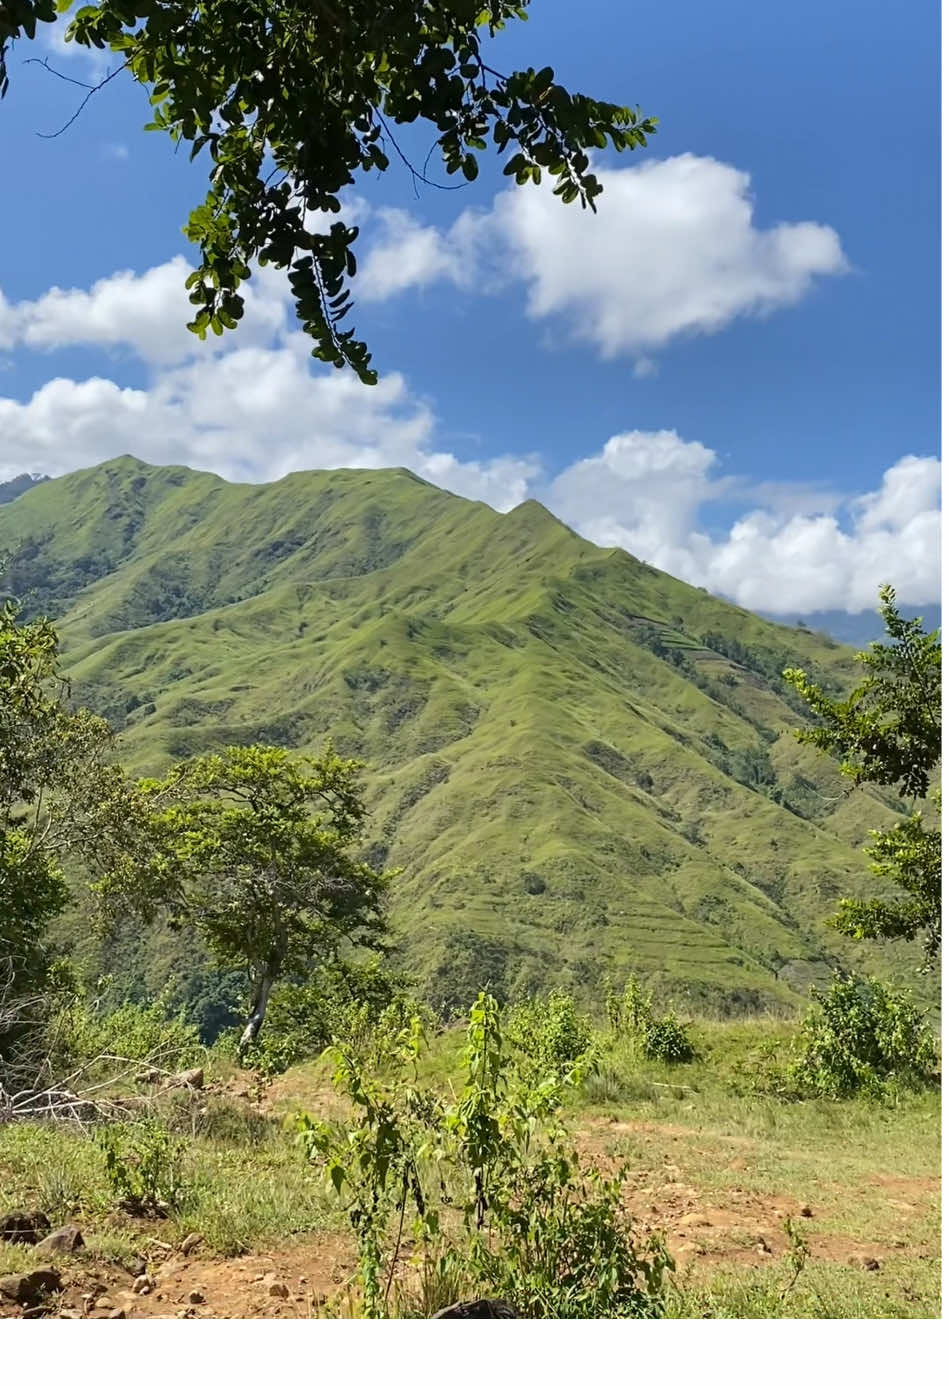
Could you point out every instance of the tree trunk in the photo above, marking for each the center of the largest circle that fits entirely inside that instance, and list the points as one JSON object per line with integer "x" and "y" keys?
{"x": 256, "y": 1019}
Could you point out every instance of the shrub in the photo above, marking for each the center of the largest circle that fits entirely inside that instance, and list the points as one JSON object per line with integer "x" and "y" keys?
{"x": 501, "y": 1202}
{"x": 346, "y": 1002}
{"x": 667, "y": 1041}
{"x": 144, "y": 1168}
{"x": 631, "y": 1016}
{"x": 860, "y": 1036}
{"x": 550, "y": 1031}
{"x": 80, "y": 1030}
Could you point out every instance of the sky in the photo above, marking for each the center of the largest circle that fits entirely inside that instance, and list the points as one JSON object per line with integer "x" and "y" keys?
{"x": 732, "y": 370}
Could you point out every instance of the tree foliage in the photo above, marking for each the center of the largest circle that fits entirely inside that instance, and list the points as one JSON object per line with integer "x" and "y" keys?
{"x": 291, "y": 101}
{"x": 254, "y": 847}
{"x": 54, "y": 786}
{"x": 889, "y": 732}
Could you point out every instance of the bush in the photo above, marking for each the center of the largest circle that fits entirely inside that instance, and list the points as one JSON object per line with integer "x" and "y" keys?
{"x": 501, "y": 1203}
{"x": 80, "y": 1030}
{"x": 144, "y": 1168}
{"x": 667, "y": 1041}
{"x": 630, "y": 1015}
{"x": 862, "y": 1036}
{"x": 551, "y": 1032}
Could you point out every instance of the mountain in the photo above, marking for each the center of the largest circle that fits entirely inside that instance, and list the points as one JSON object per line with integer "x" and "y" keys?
{"x": 859, "y": 628}
{"x": 9, "y": 490}
{"x": 580, "y": 763}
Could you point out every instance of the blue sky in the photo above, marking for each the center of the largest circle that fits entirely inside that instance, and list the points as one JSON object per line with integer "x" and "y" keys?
{"x": 733, "y": 372}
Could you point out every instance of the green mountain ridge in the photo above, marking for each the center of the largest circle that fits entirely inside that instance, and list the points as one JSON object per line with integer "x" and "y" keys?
{"x": 580, "y": 763}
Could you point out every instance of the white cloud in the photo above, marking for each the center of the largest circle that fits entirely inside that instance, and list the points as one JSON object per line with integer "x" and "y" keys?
{"x": 247, "y": 405}
{"x": 145, "y": 313}
{"x": 802, "y": 551}
{"x": 672, "y": 251}
{"x": 251, "y": 406}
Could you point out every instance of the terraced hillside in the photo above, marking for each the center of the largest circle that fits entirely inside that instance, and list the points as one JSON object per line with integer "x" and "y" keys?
{"x": 579, "y": 762}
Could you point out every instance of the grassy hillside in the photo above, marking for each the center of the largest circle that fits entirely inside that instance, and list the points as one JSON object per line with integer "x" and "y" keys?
{"x": 580, "y": 762}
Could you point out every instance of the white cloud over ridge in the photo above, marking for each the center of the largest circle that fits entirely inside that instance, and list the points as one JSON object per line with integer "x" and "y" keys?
{"x": 644, "y": 492}
{"x": 250, "y": 406}
{"x": 672, "y": 251}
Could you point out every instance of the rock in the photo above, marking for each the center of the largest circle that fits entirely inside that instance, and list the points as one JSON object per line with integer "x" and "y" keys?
{"x": 196, "y": 1297}
{"x": 806, "y": 1211}
{"x": 136, "y": 1266}
{"x": 24, "y": 1228}
{"x": 63, "y": 1241}
{"x": 869, "y": 1263}
{"x": 478, "y": 1309}
{"x": 31, "y": 1287}
{"x": 117, "y": 1314}
{"x": 185, "y": 1314}
{"x": 278, "y": 1290}
{"x": 103, "y": 1302}
{"x": 143, "y": 1284}
{"x": 193, "y": 1240}
{"x": 187, "y": 1078}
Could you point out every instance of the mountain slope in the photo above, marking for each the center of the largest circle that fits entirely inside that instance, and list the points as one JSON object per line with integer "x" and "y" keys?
{"x": 579, "y": 762}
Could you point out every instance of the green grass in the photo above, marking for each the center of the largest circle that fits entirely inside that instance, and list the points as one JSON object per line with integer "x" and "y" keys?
{"x": 488, "y": 669}
{"x": 244, "y": 1184}
{"x": 711, "y": 1167}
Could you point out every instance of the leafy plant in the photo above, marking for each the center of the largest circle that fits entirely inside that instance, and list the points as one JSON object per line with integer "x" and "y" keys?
{"x": 499, "y": 1197}
{"x": 667, "y": 1040}
{"x": 630, "y": 1016}
{"x": 551, "y": 1032}
{"x": 144, "y": 1167}
{"x": 860, "y": 1036}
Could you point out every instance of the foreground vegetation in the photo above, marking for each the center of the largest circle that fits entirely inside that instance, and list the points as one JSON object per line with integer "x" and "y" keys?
{"x": 768, "y": 1207}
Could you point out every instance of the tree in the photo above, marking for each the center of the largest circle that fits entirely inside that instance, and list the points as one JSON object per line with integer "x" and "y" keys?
{"x": 254, "y": 847}
{"x": 291, "y": 99}
{"x": 889, "y": 732}
{"x": 54, "y": 783}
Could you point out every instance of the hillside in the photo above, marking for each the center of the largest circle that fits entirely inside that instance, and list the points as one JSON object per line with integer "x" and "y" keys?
{"x": 579, "y": 762}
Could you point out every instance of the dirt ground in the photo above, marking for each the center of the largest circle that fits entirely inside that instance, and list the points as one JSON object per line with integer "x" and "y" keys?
{"x": 735, "y": 1225}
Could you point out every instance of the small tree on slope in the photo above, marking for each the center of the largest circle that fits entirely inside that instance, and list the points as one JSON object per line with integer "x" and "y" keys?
{"x": 253, "y": 846}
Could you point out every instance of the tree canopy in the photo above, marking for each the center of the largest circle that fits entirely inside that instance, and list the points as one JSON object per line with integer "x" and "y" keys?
{"x": 889, "y": 732}
{"x": 254, "y": 846}
{"x": 292, "y": 100}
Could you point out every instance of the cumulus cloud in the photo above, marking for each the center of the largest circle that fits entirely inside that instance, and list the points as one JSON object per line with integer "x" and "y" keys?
{"x": 248, "y": 405}
{"x": 145, "y": 313}
{"x": 802, "y": 550}
{"x": 672, "y": 251}
{"x": 251, "y": 406}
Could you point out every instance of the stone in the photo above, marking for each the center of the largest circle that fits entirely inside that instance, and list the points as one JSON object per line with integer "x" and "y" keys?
{"x": 277, "y": 1290}
{"x": 142, "y": 1285}
{"x": 25, "y": 1228}
{"x": 193, "y": 1240}
{"x": 31, "y": 1287}
{"x": 806, "y": 1211}
{"x": 63, "y": 1241}
{"x": 196, "y": 1297}
{"x": 136, "y": 1266}
{"x": 187, "y": 1078}
{"x": 117, "y": 1314}
{"x": 478, "y": 1309}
